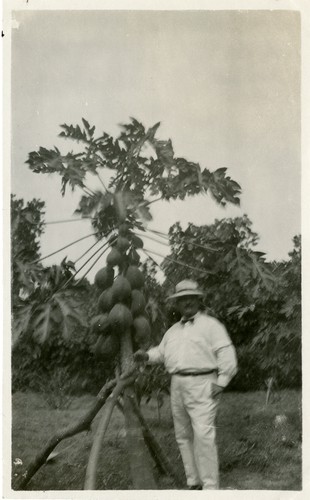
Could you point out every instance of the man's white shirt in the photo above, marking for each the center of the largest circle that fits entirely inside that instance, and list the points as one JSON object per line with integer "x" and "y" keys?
{"x": 197, "y": 346}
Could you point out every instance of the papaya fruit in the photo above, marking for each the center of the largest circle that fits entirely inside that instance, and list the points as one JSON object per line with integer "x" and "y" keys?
{"x": 137, "y": 303}
{"x": 104, "y": 278}
{"x": 142, "y": 330}
{"x": 122, "y": 244}
{"x": 100, "y": 324}
{"x": 106, "y": 347}
{"x": 112, "y": 240}
{"x": 105, "y": 301}
{"x": 114, "y": 258}
{"x": 121, "y": 290}
{"x": 120, "y": 318}
{"x": 133, "y": 257}
{"x": 135, "y": 277}
{"x": 136, "y": 242}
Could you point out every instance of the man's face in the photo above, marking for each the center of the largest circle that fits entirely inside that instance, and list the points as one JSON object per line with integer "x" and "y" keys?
{"x": 188, "y": 305}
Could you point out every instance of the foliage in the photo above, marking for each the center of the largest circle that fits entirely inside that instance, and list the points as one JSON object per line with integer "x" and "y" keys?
{"x": 39, "y": 298}
{"x": 135, "y": 173}
{"x": 226, "y": 265}
{"x": 68, "y": 361}
{"x": 27, "y": 225}
{"x": 156, "y": 304}
{"x": 47, "y": 305}
{"x": 153, "y": 381}
{"x": 58, "y": 367}
{"x": 278, "y": 341}
{"x": 259, "y": 302}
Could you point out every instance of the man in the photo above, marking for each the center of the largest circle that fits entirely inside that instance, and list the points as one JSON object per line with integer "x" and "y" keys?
{"x": 199, "y": 355}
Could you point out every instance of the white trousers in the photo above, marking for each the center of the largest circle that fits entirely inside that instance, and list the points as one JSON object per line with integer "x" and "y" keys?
{"x": 194, "y": 412}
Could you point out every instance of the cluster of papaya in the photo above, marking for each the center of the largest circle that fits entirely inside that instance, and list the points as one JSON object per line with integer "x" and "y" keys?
{"x": 121, "y": 304}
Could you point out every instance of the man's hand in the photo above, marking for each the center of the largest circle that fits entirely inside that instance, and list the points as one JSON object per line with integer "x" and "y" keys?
{"x": 140, "y": 356}
{"x": 216, "y": 390}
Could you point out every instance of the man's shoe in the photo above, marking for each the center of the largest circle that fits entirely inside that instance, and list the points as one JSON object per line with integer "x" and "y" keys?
{"x": 195, "y": 487}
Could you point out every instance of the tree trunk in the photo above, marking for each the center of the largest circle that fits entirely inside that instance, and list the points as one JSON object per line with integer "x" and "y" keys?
{"x": 139, "y": 458}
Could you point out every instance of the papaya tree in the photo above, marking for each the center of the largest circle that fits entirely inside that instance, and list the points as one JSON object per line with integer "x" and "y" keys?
{"x": 141, "y": 169}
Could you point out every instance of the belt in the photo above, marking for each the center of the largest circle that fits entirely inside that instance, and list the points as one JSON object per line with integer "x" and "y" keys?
{"x": 194, "y": 374}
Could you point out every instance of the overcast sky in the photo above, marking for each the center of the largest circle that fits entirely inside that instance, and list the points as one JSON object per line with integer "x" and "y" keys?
{"x": 225, "y": 86}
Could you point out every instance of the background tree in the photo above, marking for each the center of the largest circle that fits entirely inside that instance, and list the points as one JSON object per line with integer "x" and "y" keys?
{"x": 278, "y": 341}
{"x": 27, "y": 225}
{"x": 45, "y": 313}
{"x": 259, "y": 302}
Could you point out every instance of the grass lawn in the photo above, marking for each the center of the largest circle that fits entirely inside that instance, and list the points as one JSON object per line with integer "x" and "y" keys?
{"x": 254, "y": 452}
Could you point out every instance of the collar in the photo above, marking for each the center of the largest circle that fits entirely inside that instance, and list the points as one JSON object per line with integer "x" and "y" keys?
{"x": 190, "y": 320}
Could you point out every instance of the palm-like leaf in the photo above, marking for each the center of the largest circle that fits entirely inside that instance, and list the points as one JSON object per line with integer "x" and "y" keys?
{"x": 20, "y": 322}
{"x": 42, "y": 322}
{"x": 72, "y": 315}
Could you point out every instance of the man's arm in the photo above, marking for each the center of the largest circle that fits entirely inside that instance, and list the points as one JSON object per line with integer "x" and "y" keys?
{"x": 227, "y": 368}
{"x": 152, "y": 356}
{"x": 226, "y": 357}
{"x": 227, "y": 364}
{"x": 156, "y": 354}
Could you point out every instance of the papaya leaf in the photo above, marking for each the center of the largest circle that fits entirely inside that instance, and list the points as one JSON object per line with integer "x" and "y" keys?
{"x": 233, "y": 309}
{"x": 20, "y": 323}
{"x": 292, "y": 306}
{"x": 46, "y": 161}
{"x": 43, "y": 322}
{"x": 143, "y": 212}
{"x": 88, "y": 206}
{"x": 72, "y": 313}
{"x": 90, "y": 130}
{"x": 151, "y": 132}
{"x": 164, "y": 152}
{"x": 265, "y": 275}
{"x": 27, "y": 274}
{"x": 73, "y": 132}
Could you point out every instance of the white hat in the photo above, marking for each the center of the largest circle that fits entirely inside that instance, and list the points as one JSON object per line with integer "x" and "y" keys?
{"x": 186, "y": 287}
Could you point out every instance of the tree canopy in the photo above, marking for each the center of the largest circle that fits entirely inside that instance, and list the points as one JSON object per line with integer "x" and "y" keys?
{"x": 140, "y": 166}
{"x": 258, "y": 301}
